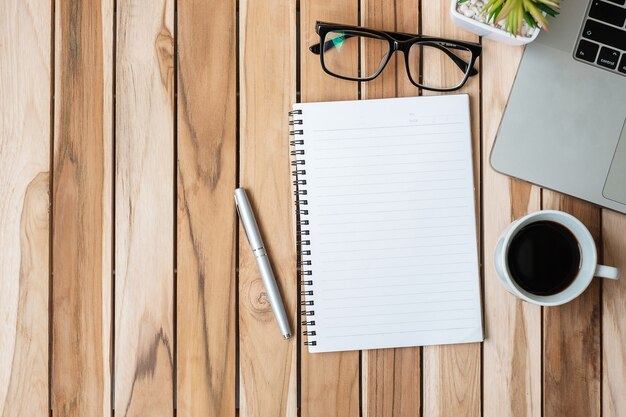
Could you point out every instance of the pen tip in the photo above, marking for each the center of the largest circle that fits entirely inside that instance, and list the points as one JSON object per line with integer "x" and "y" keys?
{"x": 287, "y": 336}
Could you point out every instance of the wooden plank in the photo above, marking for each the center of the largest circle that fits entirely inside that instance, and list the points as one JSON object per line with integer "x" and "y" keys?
{"x": 268, "y": 364}
{"x": 390, "y": 377}
{"x": 144, "y": 201}
{"x": 571, "y": 334}
{"x": 391, "y": 382}
{"x": 24, "y": 185}
{"x": 82, "y": 209}
{"x": 614, "y": 317}
{"x": 329, "y": 381}
{"x": 512, "y": 347}
{"x": 207, "y": 156}
{"x": 452, "y": 372}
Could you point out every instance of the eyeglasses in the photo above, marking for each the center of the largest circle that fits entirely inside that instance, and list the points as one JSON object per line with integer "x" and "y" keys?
{"x": 340, "y": 45}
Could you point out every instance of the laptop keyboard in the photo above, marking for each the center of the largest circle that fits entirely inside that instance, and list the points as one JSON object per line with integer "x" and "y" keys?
{"x": 602, "y": 41}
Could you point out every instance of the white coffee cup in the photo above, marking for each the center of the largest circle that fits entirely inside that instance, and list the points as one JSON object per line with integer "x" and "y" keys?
{"x": 589, "y": 266}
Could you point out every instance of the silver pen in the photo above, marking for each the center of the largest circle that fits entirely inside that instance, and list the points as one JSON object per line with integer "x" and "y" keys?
{"x": 262, "y": 260}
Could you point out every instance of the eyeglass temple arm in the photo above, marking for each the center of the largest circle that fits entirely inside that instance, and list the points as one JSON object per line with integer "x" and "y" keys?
{"x": 316, "y": 49}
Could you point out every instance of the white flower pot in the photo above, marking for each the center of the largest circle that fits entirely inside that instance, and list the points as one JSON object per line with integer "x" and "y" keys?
{"x": 488, "y": 31}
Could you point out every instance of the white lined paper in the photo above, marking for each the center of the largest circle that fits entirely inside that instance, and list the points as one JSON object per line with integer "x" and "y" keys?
{"x": 392, "y": 224}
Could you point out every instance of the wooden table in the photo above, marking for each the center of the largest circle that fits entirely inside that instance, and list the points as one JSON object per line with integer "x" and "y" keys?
{"x": 125, "y": 281}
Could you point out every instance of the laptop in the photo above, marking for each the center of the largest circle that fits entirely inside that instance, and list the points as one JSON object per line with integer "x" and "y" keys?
{"x": 564, "y": 124}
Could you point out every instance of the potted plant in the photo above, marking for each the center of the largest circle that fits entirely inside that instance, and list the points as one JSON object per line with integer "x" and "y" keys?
{"x": 515, "y": 22}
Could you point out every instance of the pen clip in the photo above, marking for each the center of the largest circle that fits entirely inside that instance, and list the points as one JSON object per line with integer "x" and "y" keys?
{"x": 248, "y": 221}
{"x": 243, "y": 226}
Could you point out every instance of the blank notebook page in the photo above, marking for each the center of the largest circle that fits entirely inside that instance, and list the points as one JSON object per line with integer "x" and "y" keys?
{"x": 391, "y": 222}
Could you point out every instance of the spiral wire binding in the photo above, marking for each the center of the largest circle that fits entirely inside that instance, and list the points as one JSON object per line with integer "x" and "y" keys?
{"x": 299, "y": 173}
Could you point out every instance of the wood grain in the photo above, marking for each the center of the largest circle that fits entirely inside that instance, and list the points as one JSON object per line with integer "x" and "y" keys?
{"x": 614, "y": 317}
{"x": 207, "y": 156}
{"x": 24, "y": 207}
{"x": 144, "y": 202}
{"x": 571, "y": 334}
{"x": 82, "y": 209}
{"x": 329, "y": 381}
{"x": 268, "y": 364}
{"x": 391, "y": 381}
{"x": 452, "y": 372}
{"x": 512, "y": 347}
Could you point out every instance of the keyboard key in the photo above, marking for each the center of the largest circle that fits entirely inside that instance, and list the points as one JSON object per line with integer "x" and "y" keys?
{"x": 587, "y": 50}
{"x": 605, "y": 34}
{"x": 622, "y": 64}
{"x": 608, "y": 13}
{"x": 620, "y": 2}
{"x": 608, "y": 57}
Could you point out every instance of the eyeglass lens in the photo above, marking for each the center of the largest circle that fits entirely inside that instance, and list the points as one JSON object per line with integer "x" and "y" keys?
{"x": 434, "y": 61}
{"x": 341, "y": 53}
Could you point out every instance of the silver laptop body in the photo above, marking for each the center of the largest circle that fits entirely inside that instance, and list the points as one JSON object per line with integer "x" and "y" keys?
{"x": 564, "y": 125}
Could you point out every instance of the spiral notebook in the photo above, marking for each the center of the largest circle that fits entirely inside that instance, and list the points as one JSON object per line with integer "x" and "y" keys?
{"x": 387, "y": 223}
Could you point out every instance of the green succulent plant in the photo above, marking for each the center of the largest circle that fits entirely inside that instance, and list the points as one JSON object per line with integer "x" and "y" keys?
{"x": 515, "y": 12}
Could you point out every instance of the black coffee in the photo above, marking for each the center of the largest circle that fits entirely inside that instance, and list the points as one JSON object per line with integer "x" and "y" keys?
{"x": 544, "y": 258}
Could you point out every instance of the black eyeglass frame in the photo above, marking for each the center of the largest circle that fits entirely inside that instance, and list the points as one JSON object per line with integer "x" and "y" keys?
{"x": 399, "y": 41}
